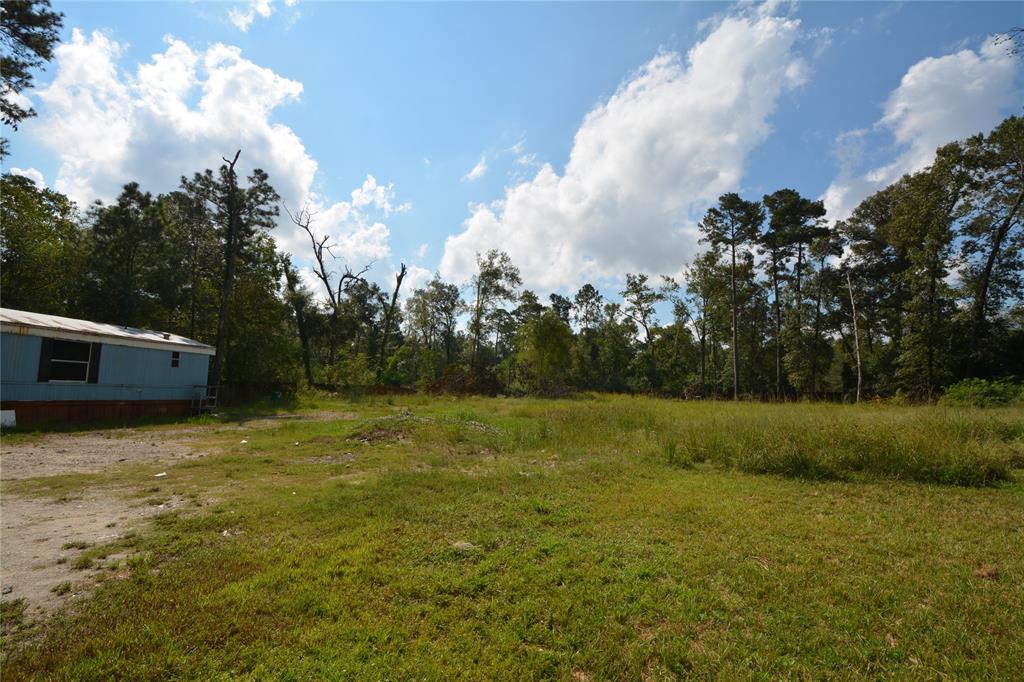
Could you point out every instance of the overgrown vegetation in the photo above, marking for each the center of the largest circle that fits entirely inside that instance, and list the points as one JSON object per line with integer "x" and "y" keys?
{"x": 981, "y": 393}
{"x": 599, "y": 537}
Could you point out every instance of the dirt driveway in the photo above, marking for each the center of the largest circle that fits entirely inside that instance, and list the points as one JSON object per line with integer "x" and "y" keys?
{"x": 41, "y": 537}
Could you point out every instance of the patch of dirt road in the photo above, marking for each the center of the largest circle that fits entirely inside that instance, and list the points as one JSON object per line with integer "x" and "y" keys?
{"x": 41, "y": 538}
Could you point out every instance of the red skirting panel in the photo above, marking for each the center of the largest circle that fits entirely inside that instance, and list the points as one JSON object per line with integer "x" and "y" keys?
{"x": 28, "y": 412}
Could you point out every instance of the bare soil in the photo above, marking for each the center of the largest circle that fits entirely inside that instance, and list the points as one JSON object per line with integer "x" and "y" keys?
{"x": 34, "y": 531}
{"x": 90, "y": 452}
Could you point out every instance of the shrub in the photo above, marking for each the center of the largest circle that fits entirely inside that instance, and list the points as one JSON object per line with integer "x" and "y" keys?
{"x": 983, "y": 393}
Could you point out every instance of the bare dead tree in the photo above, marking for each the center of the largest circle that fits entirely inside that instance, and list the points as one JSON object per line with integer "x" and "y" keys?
{"x": 389, "y": 318}
{"x": 321, "y": 253}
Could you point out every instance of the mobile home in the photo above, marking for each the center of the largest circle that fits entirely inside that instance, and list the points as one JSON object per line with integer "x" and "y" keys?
{"x": 60, "y": 369}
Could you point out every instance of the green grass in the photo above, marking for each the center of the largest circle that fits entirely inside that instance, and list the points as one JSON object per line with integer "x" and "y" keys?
{"x": 601, "y": 538}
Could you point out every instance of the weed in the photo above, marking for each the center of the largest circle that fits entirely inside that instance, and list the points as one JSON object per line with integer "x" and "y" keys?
{"x": 675, "y": 457}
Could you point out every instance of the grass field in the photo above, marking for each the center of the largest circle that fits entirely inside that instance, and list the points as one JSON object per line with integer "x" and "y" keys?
{"x": 590, "y": 539}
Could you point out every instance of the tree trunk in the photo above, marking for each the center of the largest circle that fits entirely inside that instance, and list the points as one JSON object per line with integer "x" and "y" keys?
{"x": 477, "y": 326}
{"x": 817, "y": 331}
{"x": 193, "y": 267}
{"x": 703, "y": 348}
{"x": 735, "y": 348}
{"x": 389, "y": 316}
{"x": 778, "y": 326}
{"x": 856, "y": 335}
{"x": 230, "y": 255}
{"x": 932, "y": 285}
{"x": 799, "y": 292}
{"x": 978, "y": 327}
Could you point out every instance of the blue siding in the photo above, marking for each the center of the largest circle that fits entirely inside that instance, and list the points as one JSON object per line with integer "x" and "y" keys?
{"x": 19, "y": 358}
{"x": 126, "y": 373}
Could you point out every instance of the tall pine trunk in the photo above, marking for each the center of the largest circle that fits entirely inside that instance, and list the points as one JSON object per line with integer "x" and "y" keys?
{"x": 735, "y": 348}
{"x": 778, "y": 325}
{"x": 230, "y": 257}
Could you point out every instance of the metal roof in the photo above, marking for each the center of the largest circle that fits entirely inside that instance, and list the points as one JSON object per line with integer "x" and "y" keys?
{"x": 37, "y": 324}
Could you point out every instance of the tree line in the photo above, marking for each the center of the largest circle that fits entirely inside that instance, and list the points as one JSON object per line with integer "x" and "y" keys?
{"x": 919, "y": 287}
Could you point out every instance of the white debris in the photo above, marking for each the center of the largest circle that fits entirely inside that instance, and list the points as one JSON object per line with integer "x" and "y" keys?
{"x": 161, "y": 474}
{"x": 243, "y": 442}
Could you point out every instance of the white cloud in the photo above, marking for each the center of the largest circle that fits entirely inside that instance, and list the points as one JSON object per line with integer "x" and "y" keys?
{"x": 477, "y": 172}
{"x": 822, "y": 39}
{"x": 379, "y": 196}
{"x": 939, "y": 100}
{"x": 672, "y": 138}
{"x": 518, "y": 148}
{"x": 109, "y": 127}
{"x": 242, "y": 18}
{"x": 16, "y": 98}
{"x": 415, "y": 278}
{"x": 30, "y": 173}
{"x": 426, "y": 161}
{"x": 422, "y": 250}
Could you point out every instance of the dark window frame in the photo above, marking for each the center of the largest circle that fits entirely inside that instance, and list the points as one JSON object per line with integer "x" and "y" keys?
{"x": 175, "y": 359}
{"x": 65, "y": 355}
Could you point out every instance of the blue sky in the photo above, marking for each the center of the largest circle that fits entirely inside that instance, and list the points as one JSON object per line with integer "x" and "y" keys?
{"x": 833, "y": 99}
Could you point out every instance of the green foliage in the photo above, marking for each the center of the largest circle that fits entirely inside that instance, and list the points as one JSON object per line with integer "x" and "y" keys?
{"x": 780, "y": 327}
{"x": 41, "y": 248}
{"x": 403, "y": 368}
{"x": 130, "y": 262}
{"x": 983, "y": 393}
{"x": 545, "y": 354}
{"x": 351, "y": 371}
{"x": 29, "y": 31}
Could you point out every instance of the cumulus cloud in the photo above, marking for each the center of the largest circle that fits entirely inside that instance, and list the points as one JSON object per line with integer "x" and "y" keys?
{"x": 181, "y": 112}
{"x": 30, "y": 173}
{"x": 938, "y": 100}
{"x": 107, "y": 127}
{"x": 477, "y": 172}
{"x": 670, "y": 140}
